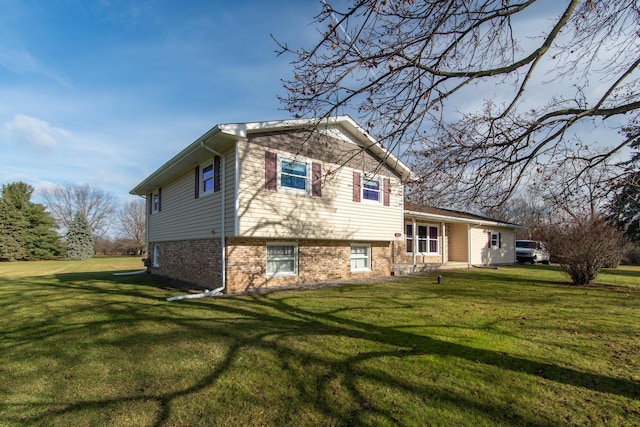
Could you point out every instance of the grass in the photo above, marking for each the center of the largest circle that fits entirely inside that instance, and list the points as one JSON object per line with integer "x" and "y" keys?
{"x": 512, "y": 346}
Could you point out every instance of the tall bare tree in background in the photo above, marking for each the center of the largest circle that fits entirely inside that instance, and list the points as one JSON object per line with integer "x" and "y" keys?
{"x": 65, "y": 201}
{"x": 454, "y": 86}
{"x": 132, "y": 220}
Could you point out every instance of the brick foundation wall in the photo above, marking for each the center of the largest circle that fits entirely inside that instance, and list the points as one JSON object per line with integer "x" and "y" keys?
{"x": 318, "y": 260}
{"x": 194, "y": 261}
{"x": 198, "y": 262}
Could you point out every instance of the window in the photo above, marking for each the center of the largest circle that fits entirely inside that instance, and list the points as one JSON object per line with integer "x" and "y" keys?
{"x": 409, "y": 235}
{"x": 206, "y": 179}
{"x": 156, "y": 256}
{"x": 371, "y": 190}
{"x": 427, "y": 237}
{"x": 495, "y": 240}
{"x": 282, "y": 259}
{"x": 294, "y": 175}
{"x": 360, "y": 258}
{"x": 155, "y": 203}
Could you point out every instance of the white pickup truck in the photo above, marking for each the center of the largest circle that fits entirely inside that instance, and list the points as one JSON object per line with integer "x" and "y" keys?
{"x": 531, "y": 251}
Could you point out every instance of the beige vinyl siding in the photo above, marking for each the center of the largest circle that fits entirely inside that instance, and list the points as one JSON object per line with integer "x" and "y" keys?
{"x": 482, "y": 254}
{"x": 264, "y": 213}
{"x": 458, "y": 242}
{"x": 183, "y": 217}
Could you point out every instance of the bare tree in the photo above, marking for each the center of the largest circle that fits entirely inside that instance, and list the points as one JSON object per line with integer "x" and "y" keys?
{"x": 402, "y": 65}
{"x": 132, "y": 220}
{"x": 570, "y": 190}
{"x": 582, "y": 246}
{"x": 65, "y": 201}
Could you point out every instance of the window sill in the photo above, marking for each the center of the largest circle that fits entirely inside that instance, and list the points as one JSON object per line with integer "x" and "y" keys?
{"x": 277, "y": 275}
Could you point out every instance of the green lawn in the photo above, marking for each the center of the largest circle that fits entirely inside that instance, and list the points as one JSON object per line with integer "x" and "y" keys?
{"x": 508, "y": 346}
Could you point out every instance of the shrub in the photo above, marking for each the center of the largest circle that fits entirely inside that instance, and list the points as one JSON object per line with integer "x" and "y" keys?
{"x": 583, "y": 246}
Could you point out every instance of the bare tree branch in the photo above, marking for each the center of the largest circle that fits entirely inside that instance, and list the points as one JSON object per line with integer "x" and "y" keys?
{"x": 411, "y": 71}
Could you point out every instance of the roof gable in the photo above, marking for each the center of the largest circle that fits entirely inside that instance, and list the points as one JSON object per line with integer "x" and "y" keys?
{"x": 341, "y": 127}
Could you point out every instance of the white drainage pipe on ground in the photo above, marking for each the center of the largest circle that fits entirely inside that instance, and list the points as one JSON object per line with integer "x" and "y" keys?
{"x": 130, "y": 273}
{"x": 200, "y": 295}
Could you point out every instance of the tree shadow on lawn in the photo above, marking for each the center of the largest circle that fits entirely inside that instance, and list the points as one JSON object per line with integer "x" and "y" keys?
{"x": 268, "y": 322}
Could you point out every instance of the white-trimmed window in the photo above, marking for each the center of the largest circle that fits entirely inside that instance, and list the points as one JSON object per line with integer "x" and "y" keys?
{"x": 409, "y": 237}
{"x": 360, "y": 258}
{"x": 294, "y": 175}
{"x": 155, "y": 203}
{"x": 371, "y": 190}
{"x": 282, "y": 259}
{"x": 495, "y": 239}
{"x": 426, "y": 237}
{"x": 206, "y": 179}
{"x": 156, "y": 256}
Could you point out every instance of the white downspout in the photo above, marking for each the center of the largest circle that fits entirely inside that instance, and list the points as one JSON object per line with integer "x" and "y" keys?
{"x": 444, "y": 246}
{"x": 468, "y": 246}
{"x": 210, "y": 293}
{"x": 415, "y": 242}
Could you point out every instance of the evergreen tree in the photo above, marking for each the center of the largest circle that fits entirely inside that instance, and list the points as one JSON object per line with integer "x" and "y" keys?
{"x": 26, "y": 229}
{"x": 41, "y": 241}
{"x": 79, "y": 238}
{"x": 625, "y": 206}
{"x": 12, "y": 227}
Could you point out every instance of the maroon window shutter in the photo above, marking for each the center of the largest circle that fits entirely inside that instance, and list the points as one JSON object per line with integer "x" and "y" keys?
{"x": 500, "y": 240}
{"x": 216, "y": 174}
{"x": 386, "y": 186}
{"x": 159, "y": 199}
{"x": 270, "y": 171}
{"x": 356, "y": 187}
{"x": 197, "y": 183}
{"x": 316, "y": 183}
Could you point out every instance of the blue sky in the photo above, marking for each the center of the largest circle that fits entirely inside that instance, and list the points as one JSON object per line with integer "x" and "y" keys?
{"x": 105, "y": 91}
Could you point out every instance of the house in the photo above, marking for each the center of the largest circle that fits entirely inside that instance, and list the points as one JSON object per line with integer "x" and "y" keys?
{"x": 252, "y": 205}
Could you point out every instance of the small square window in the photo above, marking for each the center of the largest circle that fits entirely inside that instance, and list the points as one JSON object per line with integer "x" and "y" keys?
{"x": 360, "y": 258}
{"x": 282, "y": 259}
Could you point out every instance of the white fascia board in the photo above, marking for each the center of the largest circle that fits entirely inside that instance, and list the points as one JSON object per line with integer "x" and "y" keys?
{"x": 160, "y": 175}
{"x": 446, "y": 218}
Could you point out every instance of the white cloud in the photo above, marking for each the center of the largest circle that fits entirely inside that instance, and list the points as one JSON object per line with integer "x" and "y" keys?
{"x": 31, "y": 131}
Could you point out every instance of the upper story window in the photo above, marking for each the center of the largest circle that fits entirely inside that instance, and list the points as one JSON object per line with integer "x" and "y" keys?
{"x": 371, "y": 190}
{"x": 294, "y": 174}
{"x": 206, "y": 179}
{"x": 156, "y": 202}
